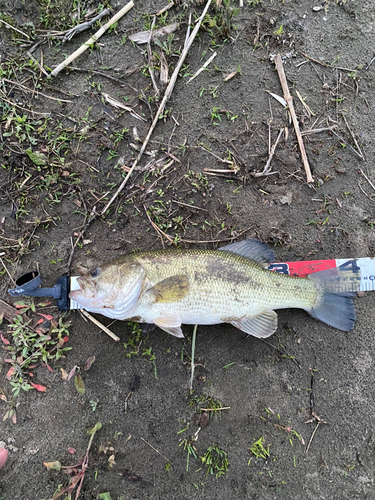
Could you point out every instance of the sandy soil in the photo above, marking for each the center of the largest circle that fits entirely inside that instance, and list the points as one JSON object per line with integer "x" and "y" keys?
{"x": 309, "y": 390}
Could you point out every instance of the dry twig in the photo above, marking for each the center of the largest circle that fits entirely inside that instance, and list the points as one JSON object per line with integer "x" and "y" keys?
{"x": 203, "y": 67}
{"x": 93, "y": 39}
{"x": 150, "y": 445}
{"x": 100, "y": 325}
{"x": 15, "y": 29}
{"x": 289, "y": 100}
{"x": 272, "y": 152}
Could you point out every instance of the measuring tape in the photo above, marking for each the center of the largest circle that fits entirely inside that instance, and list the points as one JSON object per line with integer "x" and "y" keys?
{"x": 366, "y": 265}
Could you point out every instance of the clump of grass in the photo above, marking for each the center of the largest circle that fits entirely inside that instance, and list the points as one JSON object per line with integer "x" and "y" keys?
{"x": 216, "y": 461}
{"x": 134, "y": 342}
{"x": 201, "y": 403}
{"x": 258, "y": 450}
{"x": 189, "y": 447}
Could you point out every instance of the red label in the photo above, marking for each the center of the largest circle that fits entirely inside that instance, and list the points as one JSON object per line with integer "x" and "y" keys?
{"x": 303, "y": 268}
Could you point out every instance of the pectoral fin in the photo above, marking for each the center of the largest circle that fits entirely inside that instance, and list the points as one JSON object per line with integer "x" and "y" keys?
{"x": 262, "y": 326}
{"x": 171, "y": 289}
{"x": 170, "y": 324}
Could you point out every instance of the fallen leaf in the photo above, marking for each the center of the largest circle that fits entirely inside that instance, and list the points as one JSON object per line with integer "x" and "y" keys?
{"x": 37, "y": 158}
{"x": 79, "y": 384}
{"x": 64, "y": 374}
{"x": 39, "y": 387}
{"x": 5, "y": 341}
{"x": 48, "y": 317}
{"x": 89, "y": 362}
{"x": 278, "y": 98}
{"x": 49, "y": 368}
{"x": 144, "y": 36}
{"x": 53, "y": 465}
{"x": 44, "y": 304}
{"x": 71, "y": 450}
{"x": 11, "y": 372}
{"x": 72, "y": 372}
{"x": 111, "y": 461}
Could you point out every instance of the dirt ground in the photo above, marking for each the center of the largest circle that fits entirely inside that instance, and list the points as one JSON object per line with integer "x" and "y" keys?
{"x": 307, "y": 392}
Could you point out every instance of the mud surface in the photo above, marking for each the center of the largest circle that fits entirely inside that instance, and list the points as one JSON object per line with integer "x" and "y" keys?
{"x": 309, "y": 389}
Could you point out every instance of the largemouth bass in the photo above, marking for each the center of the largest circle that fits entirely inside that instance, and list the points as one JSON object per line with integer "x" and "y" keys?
{"x": 230, "y": 285}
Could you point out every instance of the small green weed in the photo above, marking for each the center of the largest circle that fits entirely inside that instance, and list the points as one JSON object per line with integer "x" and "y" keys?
{"x": 259, "y": 450}
{"x": 216, "y": 461}
{"x": 33, "y": 337}
{"x": 134, "y": 342}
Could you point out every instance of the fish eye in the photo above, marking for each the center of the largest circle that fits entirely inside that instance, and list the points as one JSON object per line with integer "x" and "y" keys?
{"x": 94, "y": 273}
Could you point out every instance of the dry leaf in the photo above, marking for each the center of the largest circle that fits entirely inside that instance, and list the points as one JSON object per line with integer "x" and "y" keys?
{"x": 144, "y": 36}
{"x": 53, "y": 465}
{"x": 230, "y": 76}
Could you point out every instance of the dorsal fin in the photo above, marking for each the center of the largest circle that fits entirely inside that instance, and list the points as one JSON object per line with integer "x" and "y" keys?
{"x": 252, "y": 249}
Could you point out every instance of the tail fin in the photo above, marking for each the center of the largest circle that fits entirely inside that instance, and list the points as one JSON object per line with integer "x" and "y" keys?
{"x": 337, "y": 286}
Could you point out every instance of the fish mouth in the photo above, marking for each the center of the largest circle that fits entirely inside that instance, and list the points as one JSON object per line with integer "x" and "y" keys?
{"x": 86, "y": 294}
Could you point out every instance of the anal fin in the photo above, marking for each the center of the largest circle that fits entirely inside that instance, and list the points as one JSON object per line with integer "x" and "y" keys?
{"x": 262, "y": 326}
{"x": 171, "y": 325}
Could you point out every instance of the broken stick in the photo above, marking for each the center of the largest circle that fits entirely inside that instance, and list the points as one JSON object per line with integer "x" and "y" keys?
{"x": 289, "y": 100}
{"x": 100, "y": 325}
{"x": 93, "y": 39}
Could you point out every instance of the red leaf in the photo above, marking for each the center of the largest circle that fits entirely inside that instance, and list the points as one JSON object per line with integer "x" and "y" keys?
{"x": 39, "y": 387}
{"x": 65, "y": 339}
{"x": 32, "y": 366}
{"x": 48, "y": 317}
{"x": 8, "y": 360}
{"x": 72, "y": 372}
{"x": 11, "y": 372}
{"x": 71, "y": 450}
{"x": 49, "y": 368}
{"x": 39, "y": 321}
{"x": 31, "y": 374}
{"x": 89, "y": 362}
{"x": 44, "y": 304}
{"x": 5, "y": 341}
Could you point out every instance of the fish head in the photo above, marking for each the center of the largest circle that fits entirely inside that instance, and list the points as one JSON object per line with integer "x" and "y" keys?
{"x": 109, "y": 286}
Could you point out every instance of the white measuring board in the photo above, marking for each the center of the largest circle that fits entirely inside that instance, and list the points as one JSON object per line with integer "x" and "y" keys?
{"x": 299, "y": 268}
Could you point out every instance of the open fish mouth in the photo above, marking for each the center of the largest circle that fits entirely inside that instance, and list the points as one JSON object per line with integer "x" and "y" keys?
{"x": 86, "y": 295}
